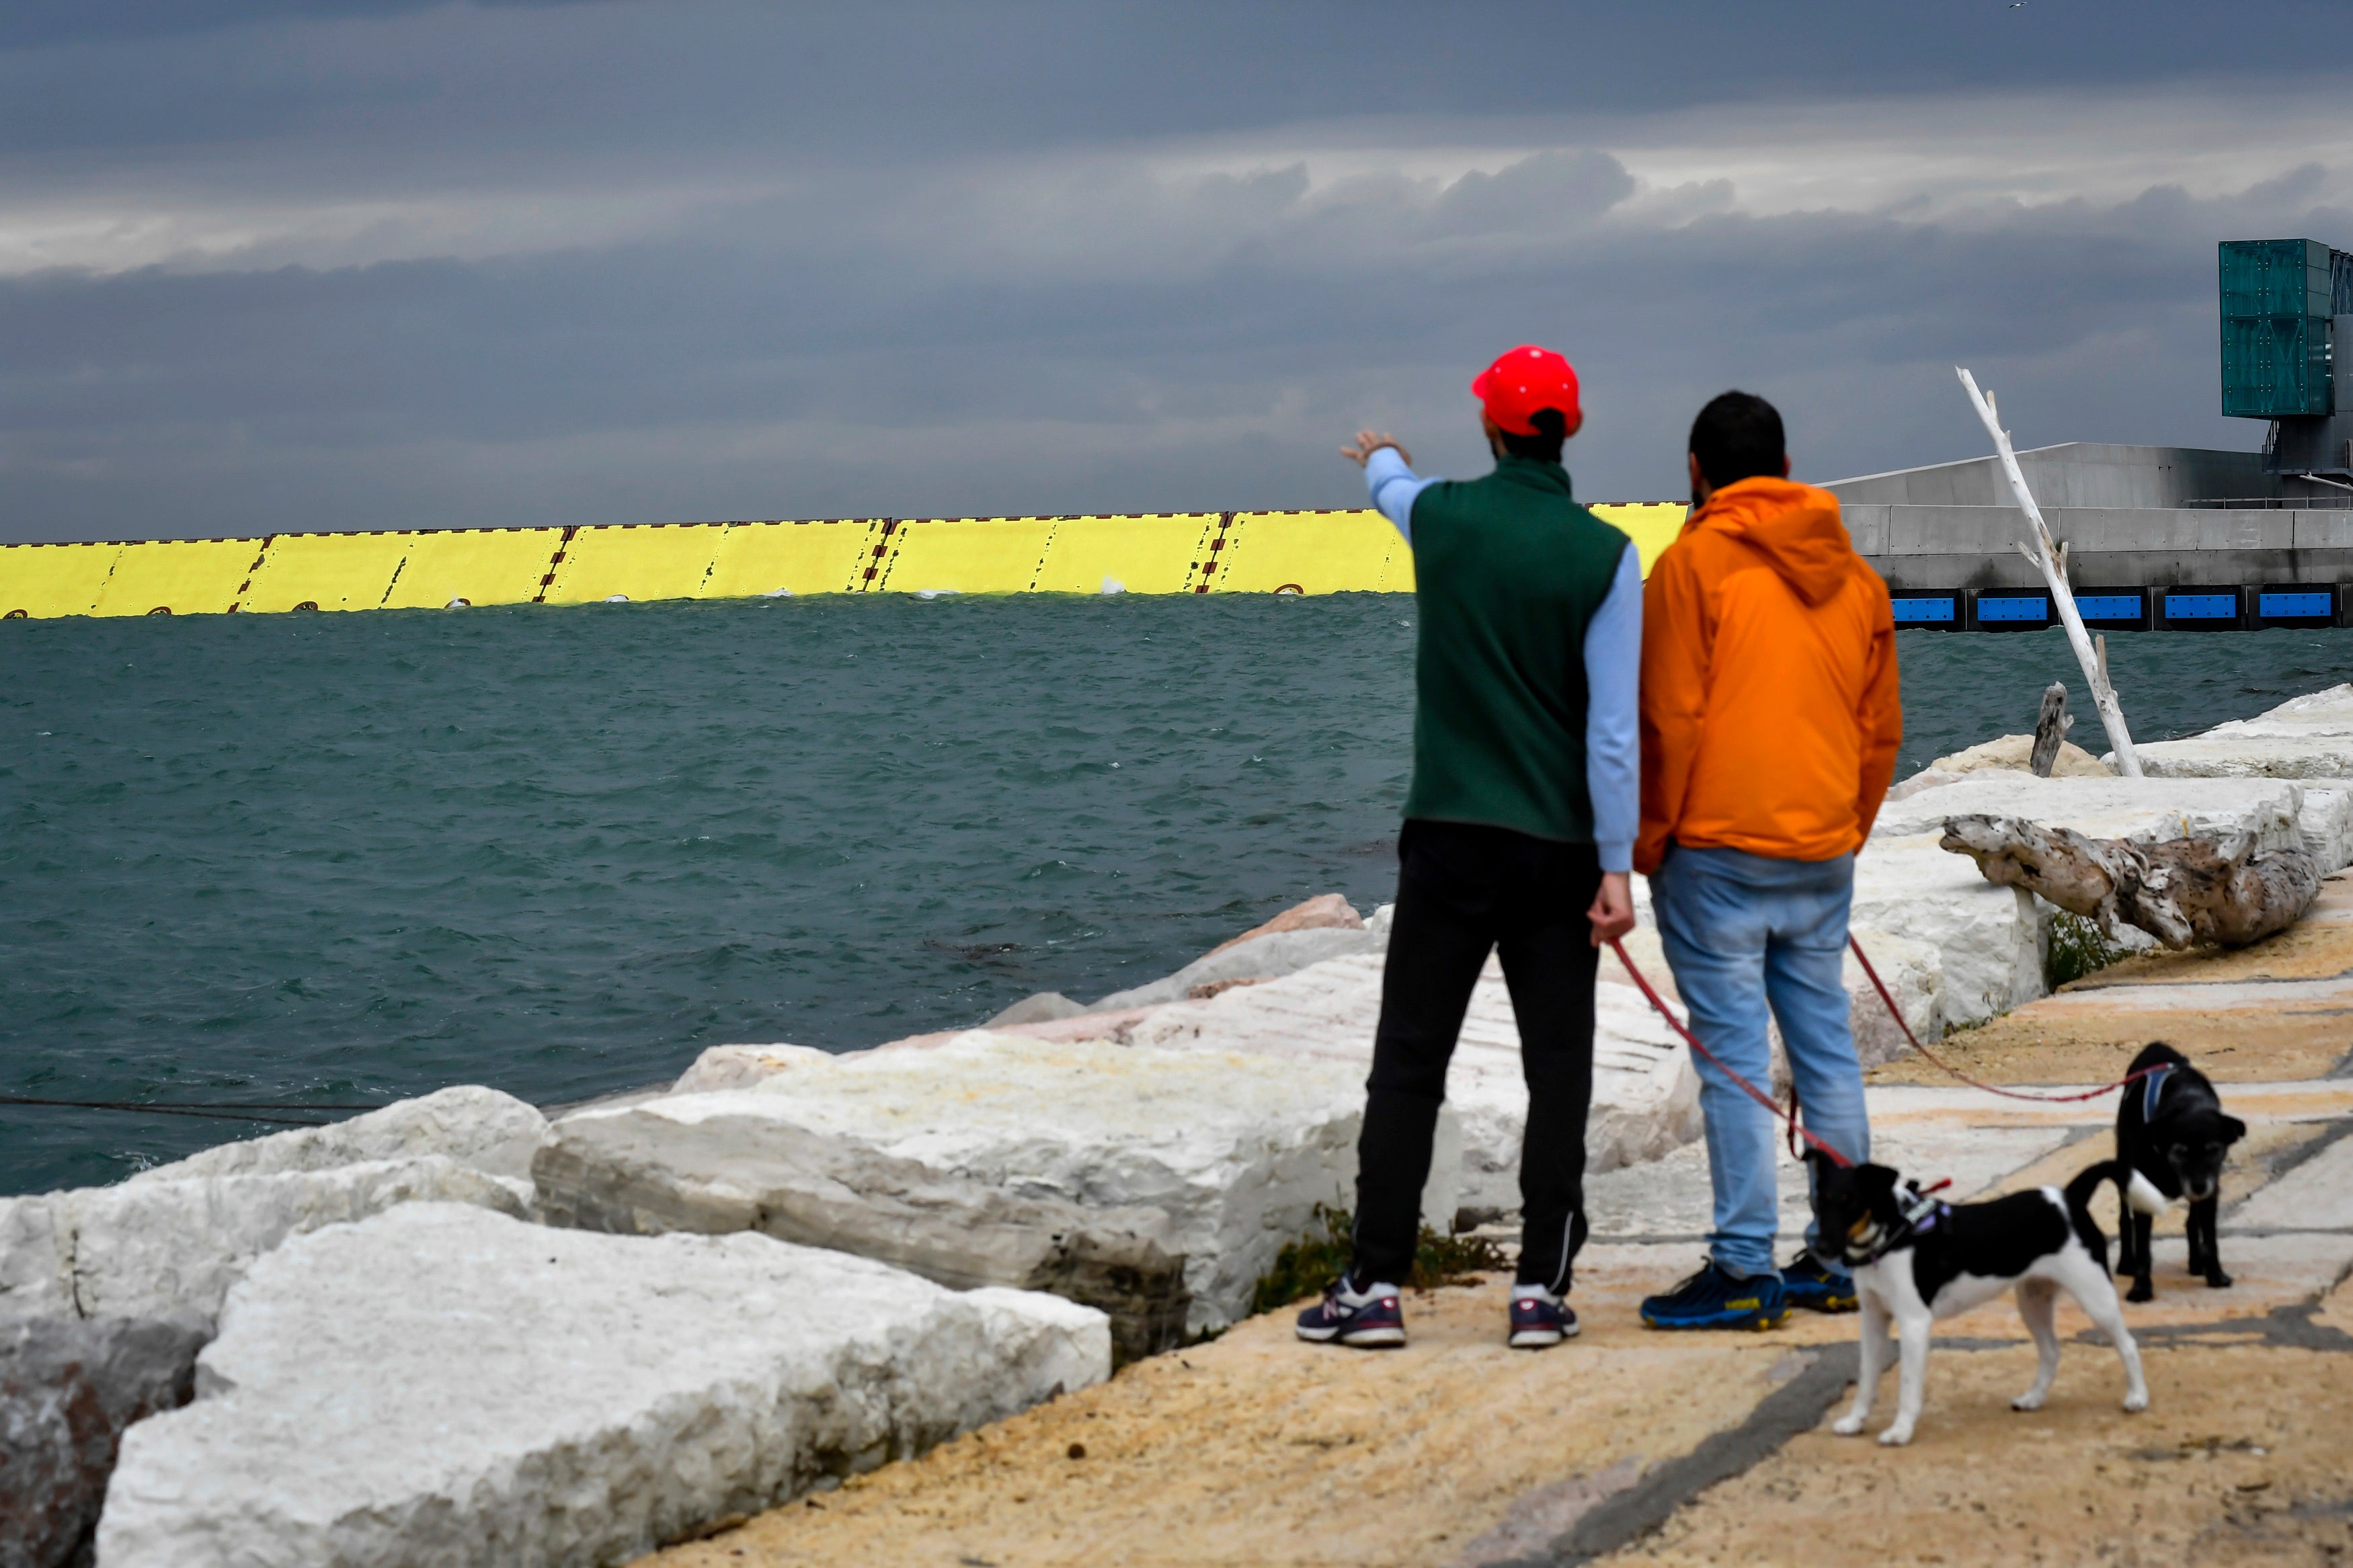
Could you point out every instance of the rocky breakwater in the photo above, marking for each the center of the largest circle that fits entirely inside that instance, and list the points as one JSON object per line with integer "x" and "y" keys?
{"x": 108, "y": 1293}
{"x": 1156, "y": 1183}
{"x": 443, "y": 1384}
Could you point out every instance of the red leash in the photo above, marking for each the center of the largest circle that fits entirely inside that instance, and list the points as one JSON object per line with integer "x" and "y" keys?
{"x": 1750, "y": 1089}
{"x": 1897, "y": 1012}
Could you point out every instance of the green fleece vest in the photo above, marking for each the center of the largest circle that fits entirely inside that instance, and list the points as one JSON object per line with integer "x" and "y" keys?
{"x": 1508, "y": 570}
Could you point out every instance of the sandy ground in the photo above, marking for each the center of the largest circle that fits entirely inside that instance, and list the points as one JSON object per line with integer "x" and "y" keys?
{"x": 1455, "y": 1450}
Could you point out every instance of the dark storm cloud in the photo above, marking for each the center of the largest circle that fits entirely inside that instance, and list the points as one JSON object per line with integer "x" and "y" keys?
{"x": 652, "y": 262}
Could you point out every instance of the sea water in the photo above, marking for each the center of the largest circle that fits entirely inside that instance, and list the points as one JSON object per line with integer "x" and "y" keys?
{"x": 560, "y": 851}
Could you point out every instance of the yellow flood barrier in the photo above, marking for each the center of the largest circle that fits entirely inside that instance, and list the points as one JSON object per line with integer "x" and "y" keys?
{"x": 637, "y": 561}
{"x": 178, "y": 577}
{"x": 968, "y": 554}
{"x": 1137, "y": 554}
{"x": 1198, "y": 552}
{"x": 773, "y": 558}
{"x": 41, "y": 582}
{"x": 325, "y": 571}
{"x": 477, "y": 565}
{"x": 1310, "y": 552}
{"x": 1653, "y": 525}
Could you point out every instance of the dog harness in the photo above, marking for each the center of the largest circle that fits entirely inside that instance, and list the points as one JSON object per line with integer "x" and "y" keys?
{"x": 2151, "y": 1088}
{"x": 1922, "y": 1214}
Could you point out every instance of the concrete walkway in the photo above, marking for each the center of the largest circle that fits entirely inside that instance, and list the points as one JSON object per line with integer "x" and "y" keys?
{"x": 1629, "y": 1444}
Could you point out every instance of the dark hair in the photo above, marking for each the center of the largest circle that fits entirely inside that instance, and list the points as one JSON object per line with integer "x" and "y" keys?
{"x": 1738, "y": 436}
{"x": 1544, "y": 447}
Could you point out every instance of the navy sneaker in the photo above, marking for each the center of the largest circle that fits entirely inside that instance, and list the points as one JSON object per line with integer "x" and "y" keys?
{"x": 1540, "y": 1319}
{"x": 1361, "y": 1318}
{"x": 1713, "y": 1299}
{"x": 1806, "y": 1282}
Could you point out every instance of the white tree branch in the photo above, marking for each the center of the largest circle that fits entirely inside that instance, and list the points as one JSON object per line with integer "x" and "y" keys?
{"x": 2052, "y": 559}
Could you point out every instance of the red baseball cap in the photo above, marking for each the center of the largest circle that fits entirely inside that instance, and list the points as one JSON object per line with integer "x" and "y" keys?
{"x": 1522, "y": 381}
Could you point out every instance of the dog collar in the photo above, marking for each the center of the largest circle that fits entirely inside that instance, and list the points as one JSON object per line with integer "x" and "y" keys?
{"x": 1922, "y": 1214}
{"x": 2150, "y": 1088}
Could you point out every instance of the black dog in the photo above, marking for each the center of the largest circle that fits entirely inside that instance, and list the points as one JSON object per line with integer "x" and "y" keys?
{"x": 2171, "y": 1129}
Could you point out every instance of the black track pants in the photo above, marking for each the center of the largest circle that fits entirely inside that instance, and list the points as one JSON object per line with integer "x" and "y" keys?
{"x": 1463, "y": 892}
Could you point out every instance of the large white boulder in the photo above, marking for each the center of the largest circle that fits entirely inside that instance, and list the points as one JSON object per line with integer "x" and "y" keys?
{"x": 2016, "y": 753}
{"x": 1235, "y": 1149}
{"x": 148, "y": 1248}
{"x": 472, "y": 1125}
{"x": 741, "y": 1066}
{"x": 444, "y": 1385}
{"x": 1267, "y": 957}
{"x": 720, "y": 1162}
{"x": 1989, "y": 940}
{"x": 2326, "y": 824}
{"x": 1645, "y": 1097}
{"x": 2308, "y": 737}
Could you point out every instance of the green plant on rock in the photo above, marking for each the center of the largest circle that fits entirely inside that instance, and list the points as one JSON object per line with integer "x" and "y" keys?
{"x": 1306, "y": 1267}
{"x": 2077, "y": 948}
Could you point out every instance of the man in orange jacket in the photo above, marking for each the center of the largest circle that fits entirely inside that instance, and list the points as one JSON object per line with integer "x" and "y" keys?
{"x": 1770, "y": 718}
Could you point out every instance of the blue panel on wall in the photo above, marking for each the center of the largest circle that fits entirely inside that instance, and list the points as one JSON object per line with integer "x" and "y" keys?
{"x": 2031, "y": 608}
{"x": 2108, "y": 606}
{"x": 2202, "y": 606}
{"x": 1938, "y": 609}
{"x": 2314, "y": 605}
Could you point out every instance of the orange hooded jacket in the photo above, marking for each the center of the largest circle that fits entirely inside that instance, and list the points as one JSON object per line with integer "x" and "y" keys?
{"x": 1770, "y": 712}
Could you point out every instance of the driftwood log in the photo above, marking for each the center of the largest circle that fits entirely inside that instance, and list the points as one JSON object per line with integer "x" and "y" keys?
{"x": 2183, "y": 893}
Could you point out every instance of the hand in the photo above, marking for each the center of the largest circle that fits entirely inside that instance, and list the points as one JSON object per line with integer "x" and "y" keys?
{"x": 1371, "y": 441}
{"x": 1612, "y": 913}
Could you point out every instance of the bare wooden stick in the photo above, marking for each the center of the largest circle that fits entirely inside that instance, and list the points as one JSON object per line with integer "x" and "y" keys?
{"x": 2182, "y": 892}
{"x": 2048, "y": 556}
{"x": 2051, "y": 729}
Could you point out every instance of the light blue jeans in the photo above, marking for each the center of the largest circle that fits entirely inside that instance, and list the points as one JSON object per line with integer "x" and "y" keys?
{"x": 1742, "y": 933}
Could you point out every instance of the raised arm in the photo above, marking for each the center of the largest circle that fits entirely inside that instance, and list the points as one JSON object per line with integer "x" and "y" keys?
{"x": 1388, "y": 475}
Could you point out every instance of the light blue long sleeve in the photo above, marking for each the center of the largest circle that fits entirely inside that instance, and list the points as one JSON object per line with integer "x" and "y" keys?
{"x": 1394, "y": 488}
{"x": 1613, "y": 679}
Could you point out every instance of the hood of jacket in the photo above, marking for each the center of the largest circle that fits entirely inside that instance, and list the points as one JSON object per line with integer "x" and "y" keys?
{"x": 1795, "y": 527}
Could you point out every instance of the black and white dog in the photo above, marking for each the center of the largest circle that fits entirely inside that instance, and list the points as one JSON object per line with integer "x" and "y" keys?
{"x": 1915, "y": 1260}
{"x": 2172, "y": 1131}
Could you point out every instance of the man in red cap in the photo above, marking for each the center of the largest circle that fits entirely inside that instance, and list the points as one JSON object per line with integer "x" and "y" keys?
{"x": 1518, "y": 836}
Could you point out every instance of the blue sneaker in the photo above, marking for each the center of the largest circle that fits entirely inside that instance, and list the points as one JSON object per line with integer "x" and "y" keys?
{"x": 1713, "y": 1299}
{"x": 1361, "y": 1318}
{"x": 1540, "y": 1318}
{"x": 1807, "y": 1282}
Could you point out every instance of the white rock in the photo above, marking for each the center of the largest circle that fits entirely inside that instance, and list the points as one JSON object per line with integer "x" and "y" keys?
{"x": 1989, "y": 940}
{"x": 1926, "y": 779}
{"x": 722, "y": 1161}
{"x": 1914, "y": 971}
{"x": 1645, "y": 1097}
{"x": 1235, "y": 1149}
{"x": 2326, "y": 824}
{"x": 740, "y": 1066}
{"x": 1271, "y": 956}
{"x": 2016, "y": 753}
{"x": 147, "y": 1249}
{"x": 443, "y": 1386}
{"x": 2308, "y": 737}
{"x": 469, "y": 1123}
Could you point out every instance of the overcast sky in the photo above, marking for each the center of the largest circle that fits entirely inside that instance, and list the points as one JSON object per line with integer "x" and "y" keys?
{"x": 267, "y": 267}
